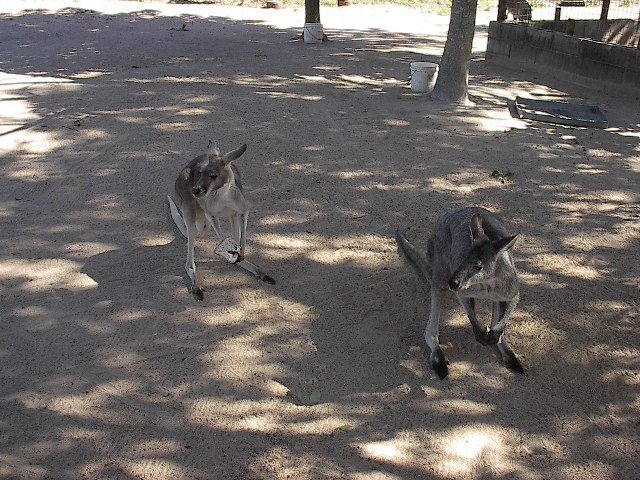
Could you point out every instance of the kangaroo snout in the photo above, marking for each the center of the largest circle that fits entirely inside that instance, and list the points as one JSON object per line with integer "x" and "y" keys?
{"x": 455, "y": 284}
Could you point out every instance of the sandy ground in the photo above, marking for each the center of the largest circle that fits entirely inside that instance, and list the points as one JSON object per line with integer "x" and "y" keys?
{"x": 111, "y": 369}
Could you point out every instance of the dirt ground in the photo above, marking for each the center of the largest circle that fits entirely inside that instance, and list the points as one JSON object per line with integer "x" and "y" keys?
{"x": 111, "y": 369}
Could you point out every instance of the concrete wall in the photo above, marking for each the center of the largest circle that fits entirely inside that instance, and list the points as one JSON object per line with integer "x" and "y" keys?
{"x": 618, "y": 31}
{"x": 528, "y": 45}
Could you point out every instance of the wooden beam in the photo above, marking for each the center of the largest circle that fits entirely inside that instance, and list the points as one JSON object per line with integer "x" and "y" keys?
{"x": 502, "y": 10}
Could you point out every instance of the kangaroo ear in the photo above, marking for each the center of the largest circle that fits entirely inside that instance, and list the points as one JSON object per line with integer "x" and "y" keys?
{"x": 212, "y": 149}
{"x": 232, "y": 155}
{"x": 475, "y": 225}
{"x": 505, "y": 243}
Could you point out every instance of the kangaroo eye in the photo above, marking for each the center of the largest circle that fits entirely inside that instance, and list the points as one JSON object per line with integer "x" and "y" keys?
{"x": 477, "y": 267}
{"x": 213, "y": 177}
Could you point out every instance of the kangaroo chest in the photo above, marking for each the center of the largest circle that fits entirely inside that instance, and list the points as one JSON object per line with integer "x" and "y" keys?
{"x": 225, "y": 201}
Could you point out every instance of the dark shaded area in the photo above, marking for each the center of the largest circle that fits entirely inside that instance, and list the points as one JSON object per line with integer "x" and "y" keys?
{"x": 100, "y": 385}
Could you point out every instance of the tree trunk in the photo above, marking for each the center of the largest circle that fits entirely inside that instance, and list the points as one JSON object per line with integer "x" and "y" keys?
{"x": 311, "y": 11}
{"x": 453, "y": 76}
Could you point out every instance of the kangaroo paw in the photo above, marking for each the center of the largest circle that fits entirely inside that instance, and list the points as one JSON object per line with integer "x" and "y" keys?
{"x": 492, "y": 337}
{"x": 267, "y": 279}
{"x": 439, "y": 363}
{"x": 487, "y": 338}
{"x": 197, "y": 292}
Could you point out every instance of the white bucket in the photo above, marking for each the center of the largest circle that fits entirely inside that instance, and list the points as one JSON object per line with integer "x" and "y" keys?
{"x": 312, "y": 33}
{"x": 423, "y": 76}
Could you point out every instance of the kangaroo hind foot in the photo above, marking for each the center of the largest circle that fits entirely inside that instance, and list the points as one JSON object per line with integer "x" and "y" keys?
{"x": 439, "y": 362}
{"x": 509, "y": 358}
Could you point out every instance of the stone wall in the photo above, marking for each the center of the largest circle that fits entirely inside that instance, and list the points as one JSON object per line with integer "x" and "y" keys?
{"x": 597, "y": 60}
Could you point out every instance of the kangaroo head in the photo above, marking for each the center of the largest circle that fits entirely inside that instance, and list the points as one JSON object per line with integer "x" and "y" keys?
{"x": 213, "y": 171}
{"x": 480, "y": 261}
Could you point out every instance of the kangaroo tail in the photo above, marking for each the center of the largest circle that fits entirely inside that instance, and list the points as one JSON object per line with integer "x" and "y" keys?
{"x": 177, "y": 218}
{"x": 416, "y": 258}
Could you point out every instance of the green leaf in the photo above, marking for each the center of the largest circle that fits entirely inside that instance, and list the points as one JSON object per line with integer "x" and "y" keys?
{"x": 315, "y": 397}
{"x": 344, "y": 428}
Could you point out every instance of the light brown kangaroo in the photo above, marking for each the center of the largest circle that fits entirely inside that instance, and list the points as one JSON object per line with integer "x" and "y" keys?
{"x": 209, "y": 187}
{"x": 468, "y": 255}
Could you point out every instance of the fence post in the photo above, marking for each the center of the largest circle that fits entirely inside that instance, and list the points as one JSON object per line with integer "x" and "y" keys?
{"x": 605, "y": 9}
{"x": 502, "y": 10}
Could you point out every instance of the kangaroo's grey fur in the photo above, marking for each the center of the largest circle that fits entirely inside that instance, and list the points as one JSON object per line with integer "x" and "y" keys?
{"x": 209, "y": 187}
{"x": 468, "y": 255}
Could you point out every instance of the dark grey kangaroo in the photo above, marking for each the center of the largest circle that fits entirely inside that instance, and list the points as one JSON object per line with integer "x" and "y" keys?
{"x": 468, "y": 254}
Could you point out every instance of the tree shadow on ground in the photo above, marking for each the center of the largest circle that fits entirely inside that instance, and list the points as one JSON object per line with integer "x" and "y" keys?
{"x": 111, "y": 369}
